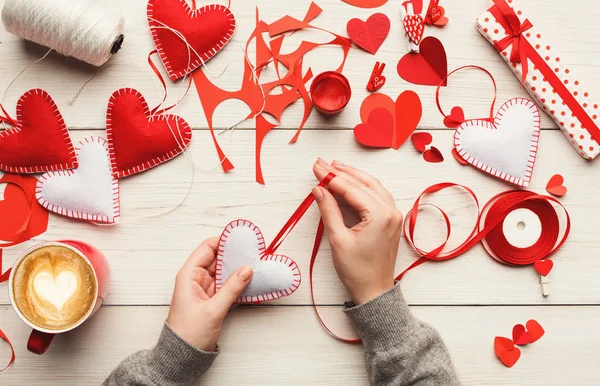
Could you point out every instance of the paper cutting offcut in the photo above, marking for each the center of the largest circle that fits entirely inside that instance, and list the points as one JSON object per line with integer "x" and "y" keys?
{"x": 428, "y": 67}
{"x": 260, "y": 96}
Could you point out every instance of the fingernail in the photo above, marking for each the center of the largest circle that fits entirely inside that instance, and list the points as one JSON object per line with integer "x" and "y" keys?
{"x": 338, "y": 164}
{"x": 245, "y": 273}
{"x": 321, "y": 162}
{"x": 316, "y": 191}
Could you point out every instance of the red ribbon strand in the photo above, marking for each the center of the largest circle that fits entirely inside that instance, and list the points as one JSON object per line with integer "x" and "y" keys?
{"x": 12, "y": 349}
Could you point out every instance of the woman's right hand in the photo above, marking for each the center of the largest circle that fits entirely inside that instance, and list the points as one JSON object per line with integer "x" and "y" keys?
{"x": 364, "y": 256}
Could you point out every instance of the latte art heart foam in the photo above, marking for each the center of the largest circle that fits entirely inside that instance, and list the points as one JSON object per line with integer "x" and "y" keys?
{"x": 57, "y": 290}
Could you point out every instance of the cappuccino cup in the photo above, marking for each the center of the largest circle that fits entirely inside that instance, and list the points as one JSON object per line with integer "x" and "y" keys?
{"x": 55, "y": 287}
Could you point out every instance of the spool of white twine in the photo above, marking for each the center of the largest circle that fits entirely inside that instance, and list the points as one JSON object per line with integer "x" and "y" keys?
{"x": 89, "y": 30}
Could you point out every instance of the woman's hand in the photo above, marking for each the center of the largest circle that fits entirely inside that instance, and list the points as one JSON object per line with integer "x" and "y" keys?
{"x": 364, "y": 256}
{"x": 196, "y": 312}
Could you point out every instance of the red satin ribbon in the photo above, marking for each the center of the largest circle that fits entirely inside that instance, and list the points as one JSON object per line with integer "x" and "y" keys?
{"x": 12, "y": 349}
{"x": 39, "y": 342}
{"x": 507, "y": 17}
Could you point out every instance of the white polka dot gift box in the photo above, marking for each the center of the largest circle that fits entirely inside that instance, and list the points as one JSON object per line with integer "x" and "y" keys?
{"x": 543, "y": 73}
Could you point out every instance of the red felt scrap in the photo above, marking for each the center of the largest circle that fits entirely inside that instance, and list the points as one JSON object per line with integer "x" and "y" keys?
{"x": 366, "y": 3}
{"x": 370, "y": 34}
{"x": 543, "y": 267}
{"x": 555, "y": 185}
{"x": 138, "y": 140}
{"x": 206, "y": 31}
{"x": 39, "y": 141}
{"x": 427, "y": 67}
{"x": 506, "y": 351}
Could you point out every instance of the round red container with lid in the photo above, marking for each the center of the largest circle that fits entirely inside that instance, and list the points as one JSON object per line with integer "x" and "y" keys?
{"x": 330, "y": 92}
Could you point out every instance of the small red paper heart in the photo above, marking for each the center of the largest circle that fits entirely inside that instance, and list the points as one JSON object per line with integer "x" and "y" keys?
{"x": 456, "y": 117}
{"x": 378, "y": 131}
{"x": 421, "y": 140}
{"x": 206, "y": 30}
{"x": 442, "y": 21}
{"x": 458, "y": 158}
{"x": 369, "y": 35}
{"x": 433, "y": 155}
{"x": 536, "y": 331}
{"x": 543, "y": 267}
{"x": 436, "y": 13}
{"x": 414, "y": 27}
{"x": 555, "y": 186}
{"x": 427, "y": 67}
{"x": 138, "y": 141}
{"x": 506, "y": 351}
{"x": 521, "y": 336}
{"x": 40, "y": 141}
{"x": 378, "y": 82}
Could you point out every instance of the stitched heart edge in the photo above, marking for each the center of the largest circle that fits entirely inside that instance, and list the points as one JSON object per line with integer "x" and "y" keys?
{"x": 76, "y": 214}
{"x": 193, "y": 13}
{"x": 524, "y": 182}
{"x": 45, "y": 168}
{"x": 186, "y": 136}
{"x": 261, "y": 249}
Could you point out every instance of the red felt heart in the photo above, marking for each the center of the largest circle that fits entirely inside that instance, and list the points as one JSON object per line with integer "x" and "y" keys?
{"x": 555, "y": 186}
{"x": 421, "y": 140}
{"x": 369, "y": 35}
{"x": 414, "y": 27}
{"x": 456, "y": 117}
{"x": 138, "y": 141}
{"x": 536, "y": 331}
{"x": 428, "y": 67}
{"x": 506, "y": 351}
{"x": 206, "y": 30}
{"x": 433, "y": 155}
{"x": 520, "y": 336}
{"x": 543, "y": 267}
{"x": 378, "y": 131}
{"x": 40, "y": 140}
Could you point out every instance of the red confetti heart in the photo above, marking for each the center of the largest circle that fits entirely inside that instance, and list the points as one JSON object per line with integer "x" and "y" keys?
{"x": 427, "y": 67}
{"x": 378, "y": 131}
{"x": 555, "y": 186}
{"x": 536, "y": 331}
{"x": 414, "y": 27}
{"x": 206, "y": 30}
{"x": 543, "y": 267}
{"x": 421, "y": 140}
{"x": 456, "y": 117}
{"x": 520, "y": 336}
{"x": 458, "y": 158}
{"x": 369, "y": 35}
{"x": 433, "y": 155}
{"x": 506, "y": 351}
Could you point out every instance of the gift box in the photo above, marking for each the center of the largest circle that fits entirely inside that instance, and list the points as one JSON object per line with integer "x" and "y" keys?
{"x": 543, "y": 72}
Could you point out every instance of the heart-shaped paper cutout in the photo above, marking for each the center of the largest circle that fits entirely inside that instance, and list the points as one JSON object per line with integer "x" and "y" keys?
{"x": 428, "y": 67}
{"x": 89, "y": 192}
{"x": 366, "y": 3}
{"x": 206, "y": 30}
{"x": 421, "y": 140}
{"x": 520, "y": 336}
{"x": 414, "y": 27}
{"x": 378, "y": 131}
{"x": 543, "y": 267}
{"x": 433, "y": 155}
{"x": 456, "y": 117}
{"x": 506, "y": 351}
{"x": 555, "y": 186}
{"x": 40, "y": 141}
{"x": 56, "y": 290}
{"x": 505, "y": 148}
{"x": 535, "y": 329}
{"x": 369, "y": 35}
{"x": 138, "y": 141}
{"x": 242, "y": 244}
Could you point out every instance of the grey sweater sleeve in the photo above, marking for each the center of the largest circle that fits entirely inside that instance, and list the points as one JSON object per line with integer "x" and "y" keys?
{"x": 400, "y": 349}
{"x": 173, "y": 362}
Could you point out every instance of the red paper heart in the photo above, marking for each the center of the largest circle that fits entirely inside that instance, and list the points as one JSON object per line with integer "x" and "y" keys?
{"x": 369, "y": 35}
{"x": 506, "y": 351}
{"x": 433, "y": 155}
{"x": 458, "y": 158}
{"x": 40, "y": 141}
{"x": 138, "y": 141}
{"x": 366, "y": 3}
{"x": 520, "y": 336}
{"x": 378, "y": 82}
{"x": 408, "y": 115}
{"x": 414, "y": 27}
{"x": 543, "y": 267}
{"x": 555, "y": 186}
{"x": 378, "y": 131}
{"x": 442, "y": 21}
{"x": 536, "y": 331}
{"x": 428, "y": 67}
{"x": 456, "y": 117}
{"x": 421, "y": 140}
{"x": 206, "y": 30}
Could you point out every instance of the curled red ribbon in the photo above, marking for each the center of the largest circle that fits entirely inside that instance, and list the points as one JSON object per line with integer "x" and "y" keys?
{"x": 12, "y": 349}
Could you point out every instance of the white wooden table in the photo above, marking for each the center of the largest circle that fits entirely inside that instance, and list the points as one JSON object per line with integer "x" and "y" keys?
{"x": 469, "y": 300}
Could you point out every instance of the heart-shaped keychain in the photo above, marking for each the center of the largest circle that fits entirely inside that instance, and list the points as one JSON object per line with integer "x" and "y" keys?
{"x": 504, "y": 145}
{"x": 174, "y": 23}
{"x": 89, "y": 192}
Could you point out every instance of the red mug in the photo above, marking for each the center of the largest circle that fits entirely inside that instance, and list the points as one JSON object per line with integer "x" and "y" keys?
{"x": 40, "y": 338}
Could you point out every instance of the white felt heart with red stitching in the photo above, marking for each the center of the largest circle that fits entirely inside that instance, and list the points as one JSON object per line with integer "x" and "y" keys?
{"x": 505, "y": 148}
{"x": 242, "y": 244}
{"x": 89, "y": 192}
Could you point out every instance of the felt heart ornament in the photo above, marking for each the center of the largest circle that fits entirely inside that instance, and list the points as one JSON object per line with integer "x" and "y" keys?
{"x": 369, "y": 35}
{"x": 543, "y": 267}
{"x": 428, "y": 67}
{"x": 456, "y": 117}
{"x": 421, "y": 140}
{"x": 242, "y": 244}
{"x": 520, "y": 335}
{"x": 40, "y": 141}
{"x": 535, "y": 329}
{"x": 138, "y": 140}
{"x": 414, "y": 27}
{"x": 505, "y": 148}
{"x": 555, "y": 186}
{"x": 89, "y": 192}
{"x": 174, "y": 23}
{"x": 506, "y": 351}
{"x": 56, "y": 290}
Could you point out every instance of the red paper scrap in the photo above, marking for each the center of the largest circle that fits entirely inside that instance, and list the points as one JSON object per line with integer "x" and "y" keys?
{"x": 427, "y": 67}
{"x": 369, "y": 35}
{"x": 506, "y": 351}
{"x": 555, "y": 186}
